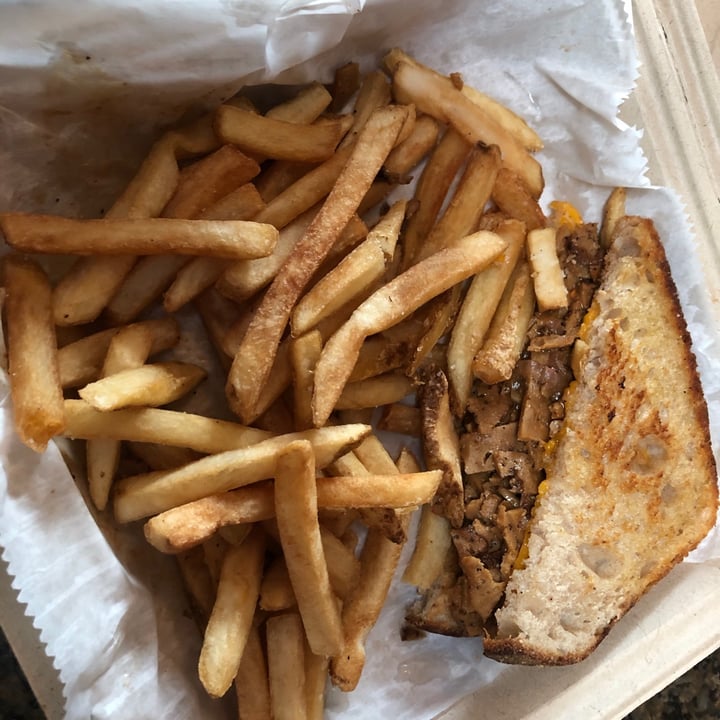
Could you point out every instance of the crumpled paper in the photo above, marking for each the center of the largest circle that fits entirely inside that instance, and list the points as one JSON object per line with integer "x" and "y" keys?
{"x": 85, "y": 88}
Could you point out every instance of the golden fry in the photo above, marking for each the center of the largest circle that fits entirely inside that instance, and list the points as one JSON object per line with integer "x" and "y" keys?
{"x": 297, "y": 520}
{"x": 33, "y": 368}
{"x": 231, "y": 619}
{"x": 253, "y": 361}
{"x": 286, "y": 666}
{"x": 394, "y": 301}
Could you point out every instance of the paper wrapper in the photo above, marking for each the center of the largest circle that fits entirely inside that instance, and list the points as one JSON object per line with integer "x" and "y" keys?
{"x": 85, "y": 88}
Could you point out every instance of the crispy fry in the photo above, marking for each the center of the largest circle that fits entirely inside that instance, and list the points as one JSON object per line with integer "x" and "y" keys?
{"x": 304, "y": 352}
{"x": 277, "y": 139}
{"x": 390, "y": 304}
{"x": 153, "y": 385}
{"x": 242, "y": 280}
{"x": 35, "y": 387}
{"x": 374, "y": 93}
{"x": 144, "y": 495}
{"x": 306, "y": 106}
{"x": 129, "y": 348}
{"x": 468, "y": 201}
{"x": 375, "y": 391}
{"x": 346, "y": 82}
{"x": 155, "y": 425}
{"x": 296, "y": 513}
{"x": 86, "y": 289}
{"x": 53, "y": 234}
{"x": 161, "y": 457}
{"x": 431, "y": 546}
{"x": 343, "y": 566}
{"x": 365, "y": 264}
{"x": 614, "y": 209}
{"x": 506, "y": 335}
{"x": 316, "y": 670}
{"x": 380, "y": 354}
{"x": 202, "y": 272}
{"x": 286, "y": 666}
{"x": 242, "y": 203}
{"x": 251, "y": 682}
{"x": 198, "y": 583}
{"x": 411, "y": 151}
{"x": 440, "y": 170}
{"x": 505, "y": 117}
{"x": 434, "y": 95}
{"x": 184, "y": 526}
{"x": 476, "y": 313}
{"x": 400, "y": 418}
{"x": 276, "y": 590}
{"x": 208, "y": 180}
{"x": 218, "y": 315}
{"x": 361, "y": 608}
{"x": 547, "y": 275}
{"x": 252, "y": 363}
{"x": 513, "y": 197}
{"x": 279, "y": 176}
{"x": 232, "y": 614}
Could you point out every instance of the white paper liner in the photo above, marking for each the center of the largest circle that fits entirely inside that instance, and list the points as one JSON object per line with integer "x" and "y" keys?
{"x": 84, "y": 87}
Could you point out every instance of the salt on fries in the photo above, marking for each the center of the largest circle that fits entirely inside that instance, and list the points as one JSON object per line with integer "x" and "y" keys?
{"x": 288, "y": 525}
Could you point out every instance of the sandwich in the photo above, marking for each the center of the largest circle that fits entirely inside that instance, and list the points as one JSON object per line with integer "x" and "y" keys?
{"x": 589, "y": 473}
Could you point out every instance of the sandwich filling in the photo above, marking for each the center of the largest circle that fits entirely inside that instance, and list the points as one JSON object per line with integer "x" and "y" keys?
{"x": 504, "y": 435}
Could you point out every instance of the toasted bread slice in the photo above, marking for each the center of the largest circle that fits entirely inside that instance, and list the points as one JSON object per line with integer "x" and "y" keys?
{"x": 631, "y": 479}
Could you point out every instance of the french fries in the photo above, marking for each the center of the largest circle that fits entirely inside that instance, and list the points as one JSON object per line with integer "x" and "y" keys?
{"x": 32, "y": 353}
{"x": 389, "y": 305}
{"x": 237, "y": 239}
{"x": 288, "y": 525}
{"x": 253, "y": 360}
{"x": 297, "y": 519}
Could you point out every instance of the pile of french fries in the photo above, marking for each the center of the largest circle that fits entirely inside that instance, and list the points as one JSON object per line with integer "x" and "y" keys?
{"x": 325, "y": 299}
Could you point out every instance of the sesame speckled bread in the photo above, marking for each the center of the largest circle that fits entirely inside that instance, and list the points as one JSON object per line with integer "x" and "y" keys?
{"x": 631, "y": 484}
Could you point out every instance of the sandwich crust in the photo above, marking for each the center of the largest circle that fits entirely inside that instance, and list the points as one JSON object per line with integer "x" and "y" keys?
{"x": 631, "y": 481}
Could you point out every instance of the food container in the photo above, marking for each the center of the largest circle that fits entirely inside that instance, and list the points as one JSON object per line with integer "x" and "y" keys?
{"x": 677, "y": 622}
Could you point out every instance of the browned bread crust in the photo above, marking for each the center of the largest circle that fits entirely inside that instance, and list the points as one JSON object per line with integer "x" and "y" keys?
{"x": 631, "y": 480}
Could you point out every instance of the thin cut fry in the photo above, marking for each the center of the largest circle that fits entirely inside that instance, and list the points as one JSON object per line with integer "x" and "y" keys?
{"x": 316, "y": 670}
{"x": 155, "y": 425}
{"x": 374, "y": 93}
{"x": 437, "y": 176}
{"x": 208, "y": 180}
{"x": 286, "y": 666}
{"x": 411, "y": 151}
{"x": 477, "y": 310}
{"x": 296, "y": 513}
{"x": 613, "y": 211}
{"x": 231, "y": 619}
{"x": 53, "y": 234}
{"x": 144, "y": 495}
{"x": 305, "y": 107}
{"x": 129, "y": 348}
{"x": 548, "y": 278}
{"x": 252, "y": 363}
{"x": 397, "y": 299}
{"x": 431, "y": 547}
{"x": 362, "y": 607}
{"x": 304, "y": 353}
{"x": 506, "y": 336}
{"x": 187, "y": 525}
{"x": 432, "y": 94}
{"x": 468, "y": 201}
{"x": 365, "y": 264}
{"x": 33, "y": 368}
{"x": 346, "y": 82}
{"x": 81, "y": 362}
{"x": 373, "y": 392}
{"x": 513, "y": 197}
{"x": 277, "y": 139}
{"x": 155, "y": 384}
{"x": 251, "y": 682}
{"x": 276, "y": 590}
